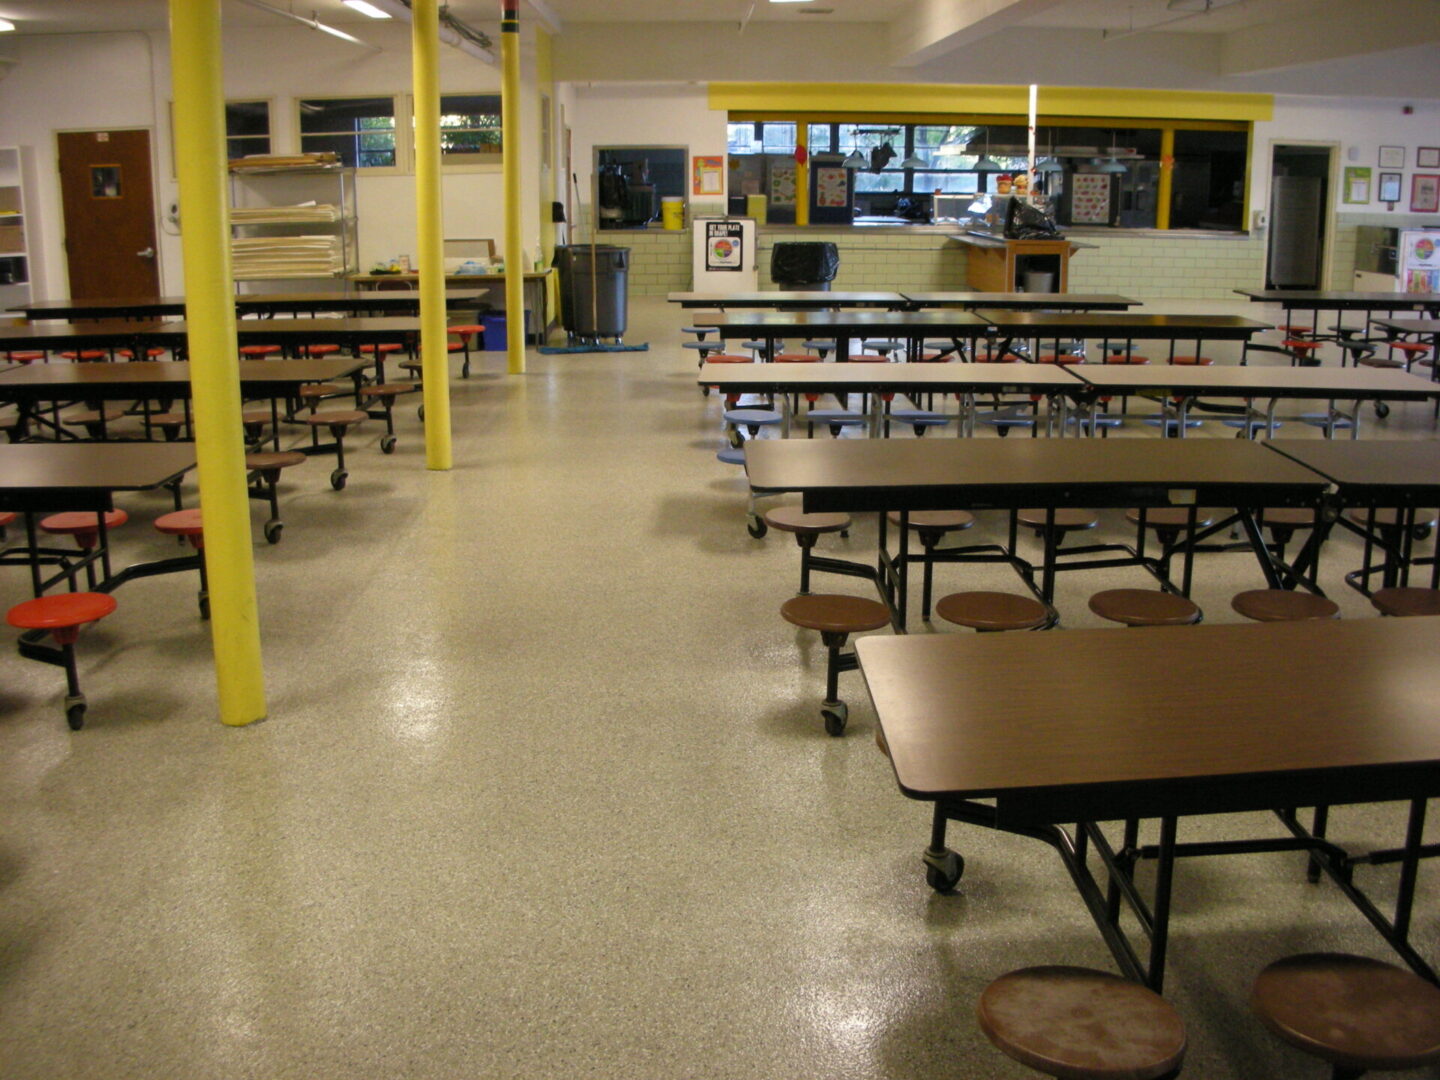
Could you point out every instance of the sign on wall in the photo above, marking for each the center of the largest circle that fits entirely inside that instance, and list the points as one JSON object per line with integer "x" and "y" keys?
{"x": 724, "y": 245}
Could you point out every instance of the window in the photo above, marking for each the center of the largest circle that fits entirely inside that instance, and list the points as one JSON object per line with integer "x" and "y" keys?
{"x": 359, "y": 131}
{"x": 247, "y": 128}
{"x": 470, "y": 129}
{"x": 631, "y": 180}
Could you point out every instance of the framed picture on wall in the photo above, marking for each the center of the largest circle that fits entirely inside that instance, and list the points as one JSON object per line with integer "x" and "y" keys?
{"x": 1425, "y": 193}
{"x": 1392, "y": 157}
{"x": 1390, "y": 187}
{"x": 1357, "y": 184}
{"x": 1427, "y": 157}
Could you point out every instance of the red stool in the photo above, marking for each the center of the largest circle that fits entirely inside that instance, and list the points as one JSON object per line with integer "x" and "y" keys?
{"x": 129, "y": 354}
{"x": 259, "y": 352}
{"x": 1302, "y": 349}
{"x": 1412, "y": 350}
{"x": 6, "y": 518}
{"x": 1191, "y": 361}
{"x": 465, "y": 333}
{"x": 62, "y": 616}
{"x": 84, "y": 526}
{"x": 187, "y": 523}
{"x": 25, "y": 357}
{"x": 318, "y": 350}
{"x": 84, "y": 354}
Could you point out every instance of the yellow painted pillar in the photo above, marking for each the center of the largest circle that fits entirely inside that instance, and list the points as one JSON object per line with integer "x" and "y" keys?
{"x": 195, "y": 75}
{"x": 430, "y": 232}
{"x": 515, "y": 265}
{"x": 1167, "y": 178}
{"x": 802, "y": 172}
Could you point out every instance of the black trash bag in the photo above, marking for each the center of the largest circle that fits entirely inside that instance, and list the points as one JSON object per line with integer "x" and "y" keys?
{"x": 794, "y": 262}
{"x": 881, "y": 156}
{"x": 1026, "y": 222}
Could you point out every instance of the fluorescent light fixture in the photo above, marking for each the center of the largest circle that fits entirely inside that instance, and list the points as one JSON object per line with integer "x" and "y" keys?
{"x": 6, "y": 26}
{"x": 314, "y": 24}
{"x": 367, "y": 9}
{"x": 334, "y": 32}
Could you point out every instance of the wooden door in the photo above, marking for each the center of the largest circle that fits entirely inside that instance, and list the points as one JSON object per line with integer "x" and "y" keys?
{"x": 108, "y": 199}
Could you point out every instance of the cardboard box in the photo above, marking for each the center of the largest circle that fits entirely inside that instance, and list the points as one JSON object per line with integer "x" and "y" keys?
{"x": 12, "y": 239}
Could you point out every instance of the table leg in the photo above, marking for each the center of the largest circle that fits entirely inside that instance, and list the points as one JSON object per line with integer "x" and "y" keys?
{"x": 1164, "y": 878}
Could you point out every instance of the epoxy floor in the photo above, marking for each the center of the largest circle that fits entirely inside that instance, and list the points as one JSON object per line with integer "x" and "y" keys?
{"x": 544, "y": 791}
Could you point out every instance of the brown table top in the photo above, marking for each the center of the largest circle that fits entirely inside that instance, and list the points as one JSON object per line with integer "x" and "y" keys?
{"x": 1410, "y": 326}
{"x": 786, "y": 298}
{"x": 1120, "y": 326}
{"x": 1258, "y": 380}
{"x": 170, "y": 376}
{"x": 43, "y": 475}
{"x": 169, "y": 306}
{"x": 75, "y": 335}
{"x": 1133, "y": 713}
{"x": 1378, "y": 464}
{"x": 1022, "y": 301}
{"x": 857, "y": 378}
{"x": 943, "y": 474}
{"x": 280, "y": 328}
{"x": 940, "y": 323}
{"x": 1323, "y": 298}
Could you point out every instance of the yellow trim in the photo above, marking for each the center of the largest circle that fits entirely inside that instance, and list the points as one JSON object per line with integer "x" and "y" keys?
{"x": 943, "y": 100}
{"x": 1165, "y": 186}
{"x": 195, "y": 74}
{"x": 981, "y": 119}
{"x": 514, "y": 206}
{"x": 802, "y": 176}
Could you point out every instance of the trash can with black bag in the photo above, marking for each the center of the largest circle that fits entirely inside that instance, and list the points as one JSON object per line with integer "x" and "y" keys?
{"x": 800, "y": 267}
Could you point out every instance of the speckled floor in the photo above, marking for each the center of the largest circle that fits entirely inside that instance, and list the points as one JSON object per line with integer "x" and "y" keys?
{"x": 544, "y": 793}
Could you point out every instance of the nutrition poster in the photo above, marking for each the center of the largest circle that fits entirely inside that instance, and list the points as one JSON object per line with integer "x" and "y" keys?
{"x": 724, "y": 245}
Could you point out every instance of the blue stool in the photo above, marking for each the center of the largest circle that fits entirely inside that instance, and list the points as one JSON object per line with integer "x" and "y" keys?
{"x": 836, "y": 419}
{"x": 824, "y": 348}
{"x": 1170, "y": 424}
{"x": 752, "y": 420}
{"x": 922, "y": 420}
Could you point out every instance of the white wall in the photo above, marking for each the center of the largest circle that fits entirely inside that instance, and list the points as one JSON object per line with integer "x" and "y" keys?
{"x": 98, "y": 81}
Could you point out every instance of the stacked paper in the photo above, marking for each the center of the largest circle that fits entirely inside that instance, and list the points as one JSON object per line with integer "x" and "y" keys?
{"x": 287, "y": 257}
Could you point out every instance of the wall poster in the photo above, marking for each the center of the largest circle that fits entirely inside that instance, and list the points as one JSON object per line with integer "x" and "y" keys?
{"x": 724, "y": 245}
{"x": 707, "y": 175}
{"x": 1357, "y": 184}
{"x": 1090, "y": 199}
{"x": 832, "y": 186}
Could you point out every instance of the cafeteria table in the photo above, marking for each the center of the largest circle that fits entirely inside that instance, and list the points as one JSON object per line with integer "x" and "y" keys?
{"x": 43, "y": 478}
{"x": 1425, "y": 327}
{"x": 108, "y": 334}
{"x": 788, "y": 299}
{"x": 1020, "y": 301}
{"x": 1403, "y": 474}
{"x": 911, "y": 326}
{"x": 263, "y": 305}
{"x": 1109, "y": 327}
{"x": 879, "y": 475}
{"x": 1314, "y": 301}
{"x": 1136, "y": 724}
{"x": 1183, "y": 385}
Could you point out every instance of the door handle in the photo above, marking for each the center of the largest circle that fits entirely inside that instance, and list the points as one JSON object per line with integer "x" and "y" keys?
{"x": 148, "y": 253}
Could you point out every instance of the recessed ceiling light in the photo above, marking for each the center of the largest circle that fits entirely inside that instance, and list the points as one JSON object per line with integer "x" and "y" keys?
{"x": 6, "y": 25}
{"x": 367, "y": 9}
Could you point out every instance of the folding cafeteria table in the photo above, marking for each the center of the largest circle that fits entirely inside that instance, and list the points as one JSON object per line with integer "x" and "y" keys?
{"x": 1314, "y": 301}
{"x": 265, "y": 305}
{"x": 1417, "y": 326}
{"x": 1266, "y": 716}
{"x": 1020, "y": 301}
{"x": 912, "y": 326}
{"x": 880, "y": 475}
{"x": 788, "y": 300}
{"x": 1106, "y": 327}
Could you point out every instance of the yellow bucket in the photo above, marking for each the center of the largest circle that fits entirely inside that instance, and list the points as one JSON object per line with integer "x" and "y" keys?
{"x": 672, "y": 212}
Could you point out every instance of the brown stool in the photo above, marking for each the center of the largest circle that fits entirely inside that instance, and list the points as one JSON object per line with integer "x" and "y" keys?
{"x": 930, "y": 527}
{"x": 94, "y": 421}
{"x": 1067, "y": 519}
{"x": 836, "y": 618}
{"x": 254, "y": 421}
{"x": 266, "y": 468}
{"x": 994, "y": 611}
{"x": 1144, "y": 607}
{"x": 62, "y": 616}
{"x": 1406, "y": 601}
{"x": 187, "y": 523}
{"x": 171, "y": 424}
{"x": 85, "y": 527}
{"x": 1283, "y": 605}
{"x": 385, "y": 394}
{"x": 1169, "y": 522}
{"x": 312, "y": 394}
{"x": 338, "y": 423}
{"x": 1081, "y": 1024}
{"x": 1356, "y": 1013}
{"x": 1284, "y": 522}
{"x": 807, "y": 529}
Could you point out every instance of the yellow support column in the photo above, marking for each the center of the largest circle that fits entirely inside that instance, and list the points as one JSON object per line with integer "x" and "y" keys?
{"x": 429, "y": 229}
{"x": 195, "y": 60}
{"x": 1167, "y": 178}
{"x": 515, "y": 265}
{"x": 802, "y": 172}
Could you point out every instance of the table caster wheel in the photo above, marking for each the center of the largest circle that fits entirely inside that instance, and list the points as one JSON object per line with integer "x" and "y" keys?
{"x": 420, "y": 412}
{"x": 205, "y": 607}
{"x": 1382, "y": 410}
{"x": 835, "y": 716}
{"x": 1420, "y": 532}
{"x": 75, "y": 712}
{"x": 1002, "y": 432}
{"x": 757, "y": 528}
{"x": 387, "y": 444}
{"x": 735, "y": 439}
{"x": 943, "y": 871}
{"x": 705, "y": 391}
{"x": 272, "y": 531}
{"x": 338, "y": 478}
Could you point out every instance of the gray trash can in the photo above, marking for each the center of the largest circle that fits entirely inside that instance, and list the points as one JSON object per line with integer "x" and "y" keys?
{"x": 1039, "y": 281}
{"x": 594, "y": 295}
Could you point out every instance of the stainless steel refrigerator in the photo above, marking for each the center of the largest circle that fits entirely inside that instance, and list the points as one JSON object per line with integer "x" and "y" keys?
{"x": 1295, "y": 208}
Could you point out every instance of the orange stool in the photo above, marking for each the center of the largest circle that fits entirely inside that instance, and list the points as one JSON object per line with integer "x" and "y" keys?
{"x": 259, "y": 352}
{"x": 318, "y": 350}
{"x": 1192, "y": 361}
{"x": 85, "y": 526}
{"x": 25, "y": 357}
{"x": 465, "y": 333}
{"x": 84, "y": 354}
{"x": 187, "y": 523}
{"x": 62, "y": 616}
{"x": 129, "y": 354}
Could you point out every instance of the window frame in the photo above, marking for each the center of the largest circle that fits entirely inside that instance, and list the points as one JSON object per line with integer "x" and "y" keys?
{"x": 404, "y": 143}
{"x": 494, "y": 163}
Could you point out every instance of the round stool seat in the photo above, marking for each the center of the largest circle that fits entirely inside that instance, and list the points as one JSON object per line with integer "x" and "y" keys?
{"x": 1301, "y": 344}
{"x": 1351, "y": 1011}
{"x": 1407, "y": 600}
{"x": 730, "y": 456}
{"x": 60, "y": 611}
{"x": 992, "y": 611}
{"x": 170, "y": 419}
{"x": 93, "y": 416}
{"x": 831, "y": 613}
{"x": 464, "y": 330}
{"x": 1389, "y": 516}
{"x": 388, "y": 390}
{"x": 180, "y": 523}
{"x": 1413, "y": 348}
{"x": 318, "y": 350}
{"x": 323, "y": 390}
{"x": 818, "y": 345}
{"x": 129, "y": 354}
{"x": 1082, "y": 1024}
{"x": 83, "y": 354}
{"x": 1059, "y": 358}
{"x": 336, "y": 418}
{"x": 1144, "y": 607}
{"x": 274, "y": 460}
{"x": 935, "y": 520}
{"x": 1170, "y": 517}
{"x": 795, "y": 358}
{"x": 792, "y": 519}
{"x": 752, "y": 416}
{"x": 1287, "y": 517}
{"x": 1377, "y": 361}
{"x": 260, "y": 350}
{"x": 26, "y": 356}
{"x": 1192, "y": 361}
{"x": 7, "y": 517}
{"x": 382, "y": 349}
{"x": 256, "y": 416}
{"x": 1126, "y": 358}
{"x": 1283, "y": 605}
{"x": 82, "y": 522}
{"x": 1066, "y": 519}
{"x": 729, "y": 358}
{"x": 702, "y": 346}
{"x": 868, "y": 358}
